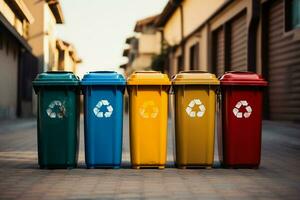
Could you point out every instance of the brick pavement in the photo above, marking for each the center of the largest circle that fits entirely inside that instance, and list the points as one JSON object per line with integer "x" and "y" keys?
{"x": 20, "y": 178}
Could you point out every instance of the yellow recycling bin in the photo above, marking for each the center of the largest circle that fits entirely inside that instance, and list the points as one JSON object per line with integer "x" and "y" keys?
{"x": 195, "y": 105}
{"x": 148, "y": 116}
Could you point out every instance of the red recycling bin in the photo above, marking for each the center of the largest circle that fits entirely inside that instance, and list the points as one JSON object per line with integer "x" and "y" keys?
{"x": 242, "y": 104}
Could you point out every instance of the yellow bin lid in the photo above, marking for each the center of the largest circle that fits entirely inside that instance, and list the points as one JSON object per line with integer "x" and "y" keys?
{"x": 194, "y": 77}
{"x": 148, "y": 78}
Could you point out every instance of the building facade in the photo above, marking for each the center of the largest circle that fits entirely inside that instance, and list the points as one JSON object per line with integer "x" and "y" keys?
{"x": 17, "y": 64}
{"x": 28, "y": 46}
{"x": 240, "y": 35}
{"x": 261, "y": 36}
{"x": 66, "y": 58}
{"x": 143, "y": 46}
{"x": 41, "y": 34}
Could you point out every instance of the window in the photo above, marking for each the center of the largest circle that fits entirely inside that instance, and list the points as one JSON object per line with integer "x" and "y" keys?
{"x": 292, "y": 14}
{"x": 194, "y": 57}
{"x": 180, "y": 63}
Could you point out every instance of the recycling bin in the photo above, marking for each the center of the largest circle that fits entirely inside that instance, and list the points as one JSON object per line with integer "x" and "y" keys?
{"x": 195, "y": 105}
{"x": 103, "y": 118}
{"x": 242, "y": 104}
{"x": 148, "y": 111}
{"x": 57, "y": 119}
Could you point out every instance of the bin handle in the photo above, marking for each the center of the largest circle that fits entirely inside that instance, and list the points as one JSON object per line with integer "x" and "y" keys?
{"x": 105, "y": 71}
{"x": 146, "y": 72}
{"x": 240, "y": 72}
{"x": 193, "y": 71}
{"x": 58, "y": 72}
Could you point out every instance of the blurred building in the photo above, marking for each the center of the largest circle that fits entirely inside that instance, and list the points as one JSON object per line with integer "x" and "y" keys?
{"x": 240, "y": 35}
{"x": 42, "y": 39}
{"x": 143, "y": 46}
{"x": 261, "y": 36}
{"x": 186, "y": 44}
{"x": 41, "y": 34}
{"x": 66, "y": 58}
{"x": 28, "y": 46}
{"x": 17, "y": 64}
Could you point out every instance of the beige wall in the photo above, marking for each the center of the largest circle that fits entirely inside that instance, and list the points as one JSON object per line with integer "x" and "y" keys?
{"x": 142, "y": 62}
{"x": 204, "y": 49}
{"x": 172, "y": 30}
{"x": 42, "y": 33}
{"x": 65, "y": 61}
{"x": 202, "y": 36}
{"x": 49, "y": 39}
{"x": 197, "y": 11}
{"x": 9, "y": 80}
{"x": 36, "y": 32}
{"x": 149, "y": 43}
{"x": 69, "y": 62}
{"x": 230, "y": 12}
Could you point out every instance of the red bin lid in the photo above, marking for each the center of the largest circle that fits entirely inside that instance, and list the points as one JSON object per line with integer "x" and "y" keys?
{"x": 242, "y": 78}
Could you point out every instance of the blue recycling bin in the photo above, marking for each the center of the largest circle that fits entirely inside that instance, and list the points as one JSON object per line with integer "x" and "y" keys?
{"x": 103, "y": 118}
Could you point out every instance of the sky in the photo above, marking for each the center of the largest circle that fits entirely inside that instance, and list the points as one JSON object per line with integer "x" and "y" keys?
{"x": 98, "y": 28}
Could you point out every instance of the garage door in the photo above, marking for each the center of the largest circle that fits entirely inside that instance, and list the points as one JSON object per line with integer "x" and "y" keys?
{"x": 218, "y": 38}
{"x": 238, "y": 44}
{"x": 284, "y": 68}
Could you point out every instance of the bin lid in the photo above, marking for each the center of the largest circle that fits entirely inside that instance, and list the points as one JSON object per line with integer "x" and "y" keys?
{"x": 54, "y": 78}
{"x": 194, "y": 77}
{"x": 148, "y": 78}
{"x": 103, "y": 78}
{"x": 242, "y": 78}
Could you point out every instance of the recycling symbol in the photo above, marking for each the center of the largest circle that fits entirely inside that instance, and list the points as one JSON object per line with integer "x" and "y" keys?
{"x": 242, "y": 104}
{"x": 56, "y": 109}
{"x": 101, "y": 114}
{"x": 149, "y": 110}
{"x": 195, "y": 102}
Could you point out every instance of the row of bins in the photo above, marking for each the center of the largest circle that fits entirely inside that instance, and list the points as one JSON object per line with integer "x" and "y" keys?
{"x": 195, "y": 95}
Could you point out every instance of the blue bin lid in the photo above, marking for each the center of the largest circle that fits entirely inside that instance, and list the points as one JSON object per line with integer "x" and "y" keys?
{"x": 103, "y": 78}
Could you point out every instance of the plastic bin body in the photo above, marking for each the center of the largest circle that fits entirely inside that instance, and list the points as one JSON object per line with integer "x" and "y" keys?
{"x": 103, "y": 118}
{"x": 57, "y": 119}
{"x": 195, "y": 105}
{"x": 242, "y": 101}
{"x": 148, "y": 109}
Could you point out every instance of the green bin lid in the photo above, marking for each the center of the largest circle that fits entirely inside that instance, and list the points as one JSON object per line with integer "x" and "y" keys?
{"x": 56, "y": 78}
{"x": 195, "y": 77}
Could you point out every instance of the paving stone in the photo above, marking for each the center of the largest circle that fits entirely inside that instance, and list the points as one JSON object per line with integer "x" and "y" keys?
{"x": 277, "y": 178}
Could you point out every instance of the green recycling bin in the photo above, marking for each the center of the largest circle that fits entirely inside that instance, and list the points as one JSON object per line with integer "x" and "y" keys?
{"x": 57, "y": 119}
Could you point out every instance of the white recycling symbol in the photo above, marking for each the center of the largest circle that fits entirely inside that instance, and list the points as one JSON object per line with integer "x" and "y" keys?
{"x": 149, "y": 110}
{"x": 56, "y": 109}
{"x": 236, "y": 110}
{"x": 101, "y": 114}
{"x": 192, "y": 104}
